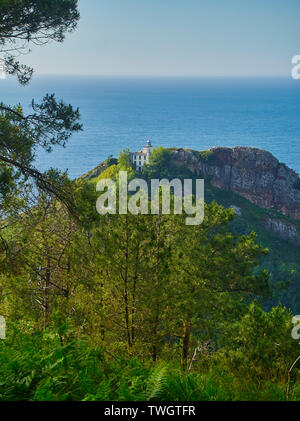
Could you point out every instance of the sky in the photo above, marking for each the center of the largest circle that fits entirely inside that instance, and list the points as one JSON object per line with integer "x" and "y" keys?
{"x": 177, "y": 38}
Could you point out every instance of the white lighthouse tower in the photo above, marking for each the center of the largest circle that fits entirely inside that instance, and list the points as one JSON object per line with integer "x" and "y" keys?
{"x": 148, "y": 148}
{"x": 142, "y": 157}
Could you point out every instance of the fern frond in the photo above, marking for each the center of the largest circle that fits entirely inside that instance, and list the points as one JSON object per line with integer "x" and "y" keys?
{"x": 156, "y": 383}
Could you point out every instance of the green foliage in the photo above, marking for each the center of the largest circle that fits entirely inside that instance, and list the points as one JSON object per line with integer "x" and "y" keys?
{"x": 282, "y": 261}
{"x": 51, "y": 122}
{"x": 206, "y": 156}
{"x": 25, "y": 22}
{"x": 259, "y": 346}
{"x": 109, "y": 172}
{"x": 55, "y": 365}
{"x": 46, "y": 366}
{"x": 124, "y": 160}
{"x": 111, "y": 161}
{"x": 113, "y": 307}
{"x": 161, "y": 166}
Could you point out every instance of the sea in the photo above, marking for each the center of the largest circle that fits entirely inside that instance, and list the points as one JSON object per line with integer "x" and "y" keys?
{"x": 195, "y": 113}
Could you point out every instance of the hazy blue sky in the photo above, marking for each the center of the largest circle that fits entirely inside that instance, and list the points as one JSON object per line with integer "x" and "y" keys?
{"x": 177, "y": 37}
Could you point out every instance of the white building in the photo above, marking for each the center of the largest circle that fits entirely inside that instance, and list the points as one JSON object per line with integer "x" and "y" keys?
{"x": 141, "y": 157}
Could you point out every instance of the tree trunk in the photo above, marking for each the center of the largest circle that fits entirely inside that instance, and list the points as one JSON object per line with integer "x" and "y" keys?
{"x": 154, "y": 352}
{"x": 46, "y": 293}
{"x": 126, "y": 301}
{"x": 185, "y": 344}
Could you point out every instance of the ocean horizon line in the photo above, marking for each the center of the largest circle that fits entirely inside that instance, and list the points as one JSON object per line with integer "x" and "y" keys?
{"x": 238, "y": 77}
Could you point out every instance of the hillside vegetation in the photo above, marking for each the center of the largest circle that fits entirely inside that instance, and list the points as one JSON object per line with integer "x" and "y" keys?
{"x": 143, "y": 307}
{"x": 283, "y": 258}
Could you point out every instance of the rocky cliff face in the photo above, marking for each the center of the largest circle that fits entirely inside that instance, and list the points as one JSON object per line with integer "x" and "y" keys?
{"x": 253, "y": 173}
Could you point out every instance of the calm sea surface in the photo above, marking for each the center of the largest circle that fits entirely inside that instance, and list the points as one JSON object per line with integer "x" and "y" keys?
{"x": 173, "y": 112}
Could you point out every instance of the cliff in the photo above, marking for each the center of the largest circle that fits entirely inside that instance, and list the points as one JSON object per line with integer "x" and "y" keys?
{"x": 254, "y": 174}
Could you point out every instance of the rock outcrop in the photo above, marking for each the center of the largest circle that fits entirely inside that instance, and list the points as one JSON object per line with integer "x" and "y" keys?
{"x": 253, "y": 173}
{"x": 283, "y": 229}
